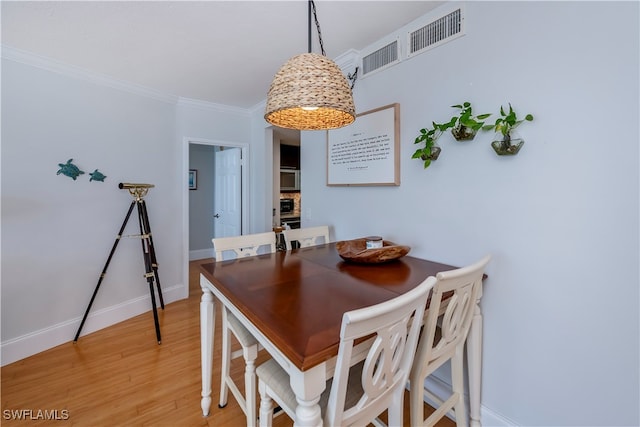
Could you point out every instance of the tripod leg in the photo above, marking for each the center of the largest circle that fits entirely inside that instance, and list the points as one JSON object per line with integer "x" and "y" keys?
{"x": 155, "y": 311}
{"x": 104, "y": 270}
{"x": 152, "y": 251}
{"x": 149, "y": 274}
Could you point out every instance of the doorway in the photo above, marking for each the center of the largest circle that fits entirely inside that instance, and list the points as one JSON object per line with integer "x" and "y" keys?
{"x": 286, "y": 162}
{"x": 218, "y": 168}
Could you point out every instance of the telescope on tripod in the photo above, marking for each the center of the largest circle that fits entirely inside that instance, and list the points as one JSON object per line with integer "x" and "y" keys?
{"x": 138, "y": 192}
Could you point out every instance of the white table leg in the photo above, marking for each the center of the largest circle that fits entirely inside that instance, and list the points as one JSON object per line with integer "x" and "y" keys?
{"x": 207, "y": 324}
{"x": 308, "y": 386}
{"x": 474, "y": 357}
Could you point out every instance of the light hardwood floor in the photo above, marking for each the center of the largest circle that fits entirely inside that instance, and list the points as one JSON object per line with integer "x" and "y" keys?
{"x": 120, "y": 376}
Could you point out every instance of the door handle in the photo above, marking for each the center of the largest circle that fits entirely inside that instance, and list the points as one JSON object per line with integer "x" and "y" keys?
{"x": 216, "y": 216}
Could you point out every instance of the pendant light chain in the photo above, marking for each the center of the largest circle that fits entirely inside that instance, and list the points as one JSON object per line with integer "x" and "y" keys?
{"x": 352, "y": 77}
{"x": 315, "y": 17}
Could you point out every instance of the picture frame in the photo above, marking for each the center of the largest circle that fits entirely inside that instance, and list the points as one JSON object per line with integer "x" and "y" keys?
{"x": 193, "y": 179}
{"x": 366, "y": 152}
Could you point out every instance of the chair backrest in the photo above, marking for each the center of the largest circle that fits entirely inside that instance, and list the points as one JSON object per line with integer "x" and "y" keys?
{"x": 306, "y": 237}
{"x": 388, "y": 360}
{"x": 244, "y": 246}
{"x": 437, "y": 345}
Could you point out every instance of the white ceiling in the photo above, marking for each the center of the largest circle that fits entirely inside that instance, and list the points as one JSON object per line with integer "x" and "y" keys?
{"x": 225, "y": 52}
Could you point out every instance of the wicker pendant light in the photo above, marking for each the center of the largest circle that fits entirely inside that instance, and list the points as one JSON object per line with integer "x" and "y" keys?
{"x": 309, "y": 92}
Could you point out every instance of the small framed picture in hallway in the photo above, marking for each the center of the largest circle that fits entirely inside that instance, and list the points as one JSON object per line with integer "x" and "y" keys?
{"x": 193, "y": 179}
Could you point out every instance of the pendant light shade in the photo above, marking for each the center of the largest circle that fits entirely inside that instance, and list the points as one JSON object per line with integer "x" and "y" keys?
{"x": 310, "y": 92}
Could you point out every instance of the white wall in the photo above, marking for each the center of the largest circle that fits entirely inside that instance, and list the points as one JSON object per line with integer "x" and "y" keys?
{"x": 56, "y": 232}
{"x": 561, "y": 305}
{"x": 560, "y": 218}
{"x": 204, "y": 120}
{"x": 261, "y": 172}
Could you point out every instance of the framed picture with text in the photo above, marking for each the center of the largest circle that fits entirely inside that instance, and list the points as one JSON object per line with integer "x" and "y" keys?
{"x": 366, "y": 152}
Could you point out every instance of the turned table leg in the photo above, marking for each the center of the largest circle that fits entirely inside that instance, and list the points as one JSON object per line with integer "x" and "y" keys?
{"x": 207, "y": 323}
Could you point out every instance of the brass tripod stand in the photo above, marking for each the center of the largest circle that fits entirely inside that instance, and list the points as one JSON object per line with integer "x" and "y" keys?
{"x": 137, "y": 191}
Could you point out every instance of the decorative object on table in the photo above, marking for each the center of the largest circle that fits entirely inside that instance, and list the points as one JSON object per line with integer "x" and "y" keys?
{"x": 356, "y": 251}
{"x": 465, "y": 125}
{"x": 280, "y": 243}
{"x": 69, "y": 169}
{"x": 431, "y": 150}
{"x": 506, "y": 141}
{"x": 309, "y": 92}
{"x": 96, "y": 175}
{"x": 366, "y": 152}
{"x": 193, "y": 179}
{"x": 138, "y": 192}
{"x": 373, "y": 242}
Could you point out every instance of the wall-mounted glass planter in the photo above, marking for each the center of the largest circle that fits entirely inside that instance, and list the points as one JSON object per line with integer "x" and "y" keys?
{"x": 463, "y": 133}
{"x": 435, "y": 153}
{"x": 507, "y": 145}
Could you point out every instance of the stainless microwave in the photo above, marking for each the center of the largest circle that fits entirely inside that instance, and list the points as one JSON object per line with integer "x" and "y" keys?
{"x": 289, "y": 180}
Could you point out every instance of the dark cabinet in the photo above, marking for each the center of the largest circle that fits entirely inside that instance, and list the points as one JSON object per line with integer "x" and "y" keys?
{"x": 289, "y": 156}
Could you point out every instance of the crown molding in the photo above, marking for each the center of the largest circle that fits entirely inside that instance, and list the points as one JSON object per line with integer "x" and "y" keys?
{"x": 45, "y": 63}
{"x": 211, "y": 106}
{"x": 259, "y": 106}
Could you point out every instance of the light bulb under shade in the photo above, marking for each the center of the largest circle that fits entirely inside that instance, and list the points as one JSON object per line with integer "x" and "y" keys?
{"x": 309, "y": 81}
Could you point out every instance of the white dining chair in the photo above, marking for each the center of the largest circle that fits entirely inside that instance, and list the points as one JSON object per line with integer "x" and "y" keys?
{"x": 446, "y": 326}
{"x": 308, "y": 236}
{"x": 240, "y": 247}
{"x": 368, "y": 378}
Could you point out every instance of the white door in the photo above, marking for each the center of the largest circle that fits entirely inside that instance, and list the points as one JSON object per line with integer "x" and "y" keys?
{"x": 227, "y": 200}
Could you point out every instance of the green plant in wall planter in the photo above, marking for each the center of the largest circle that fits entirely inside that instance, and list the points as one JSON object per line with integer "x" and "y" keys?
{"x": 431, "y": 150}
{"x": 506, "y": 142}
{"x": 465, "y": 125}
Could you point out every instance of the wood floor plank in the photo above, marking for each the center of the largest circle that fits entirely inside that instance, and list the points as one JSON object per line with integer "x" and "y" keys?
{"x": 120, "y": 376}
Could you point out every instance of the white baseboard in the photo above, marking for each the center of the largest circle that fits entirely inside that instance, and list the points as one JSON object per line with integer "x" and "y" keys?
{"x": 35, "y": 342}
{"x": 201, "y": 254}
{"x": 442, "y": 390}
{"x": 493, "y": 419}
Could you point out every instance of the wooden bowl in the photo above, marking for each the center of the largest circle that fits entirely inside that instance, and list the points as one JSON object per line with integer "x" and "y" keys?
{"x": 356, "y": 251}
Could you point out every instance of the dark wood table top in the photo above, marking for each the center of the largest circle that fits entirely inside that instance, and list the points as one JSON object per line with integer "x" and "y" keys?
{"x": 297, "y": 298}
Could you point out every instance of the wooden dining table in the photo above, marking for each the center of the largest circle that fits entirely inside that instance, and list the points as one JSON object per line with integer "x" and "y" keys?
{"x": 293, "y": 301}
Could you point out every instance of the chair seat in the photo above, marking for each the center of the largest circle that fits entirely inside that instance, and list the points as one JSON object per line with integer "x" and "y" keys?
{"x": 277, "y": 379}
{"x": 241, "y": 333}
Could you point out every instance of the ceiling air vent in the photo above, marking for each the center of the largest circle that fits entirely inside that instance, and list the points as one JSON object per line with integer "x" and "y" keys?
{"x": 437, "y": 32}
{"x": 381, "y": 58}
